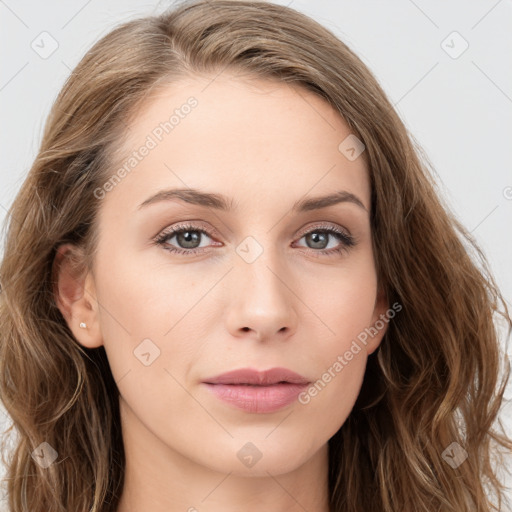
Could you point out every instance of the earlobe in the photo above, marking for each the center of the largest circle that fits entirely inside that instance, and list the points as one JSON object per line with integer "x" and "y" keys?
{"x": 74, "y": 295}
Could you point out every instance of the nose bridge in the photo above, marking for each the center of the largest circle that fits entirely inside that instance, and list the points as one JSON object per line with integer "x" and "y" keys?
{"x": 261, "y": 300}
{"x": 259, "y": 265}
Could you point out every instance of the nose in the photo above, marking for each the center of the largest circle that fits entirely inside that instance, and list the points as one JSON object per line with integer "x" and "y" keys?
{"x": 262, "y": 303}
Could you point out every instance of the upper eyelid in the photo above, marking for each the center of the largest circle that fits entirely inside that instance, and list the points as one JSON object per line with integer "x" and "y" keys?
{"x": 199, "y": 226}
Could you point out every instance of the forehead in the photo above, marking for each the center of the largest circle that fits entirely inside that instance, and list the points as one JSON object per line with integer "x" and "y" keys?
{"x": 234, "y": 133}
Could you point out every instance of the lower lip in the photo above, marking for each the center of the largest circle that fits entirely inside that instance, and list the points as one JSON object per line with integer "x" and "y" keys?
{"x": 258, "y": 399}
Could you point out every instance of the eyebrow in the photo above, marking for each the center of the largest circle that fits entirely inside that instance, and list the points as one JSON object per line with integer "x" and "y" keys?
{"x": 221, "y": 202}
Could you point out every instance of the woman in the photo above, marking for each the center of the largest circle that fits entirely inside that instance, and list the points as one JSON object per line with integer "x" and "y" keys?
{"x": 229, "y": 284}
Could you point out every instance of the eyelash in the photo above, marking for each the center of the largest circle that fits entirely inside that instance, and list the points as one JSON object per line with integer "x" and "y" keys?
{"x": 347, "y": 241}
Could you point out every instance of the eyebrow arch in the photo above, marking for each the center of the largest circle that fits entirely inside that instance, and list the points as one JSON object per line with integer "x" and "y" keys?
{"x": 221, "y": 202}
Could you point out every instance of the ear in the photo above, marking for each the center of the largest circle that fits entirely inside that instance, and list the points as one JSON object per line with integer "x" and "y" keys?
{"x": 380, "y": 322}
{"x": 75, "y": 295}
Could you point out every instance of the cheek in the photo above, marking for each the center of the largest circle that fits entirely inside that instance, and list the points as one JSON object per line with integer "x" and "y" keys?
{"x": 329, "y": 400}
{"x": 343, "y": 300}
{"x": 340, "y": 364}
{"x": 149, "y": 313}
{"x": 128, "y": 316}
{"x": 347, "y": 307}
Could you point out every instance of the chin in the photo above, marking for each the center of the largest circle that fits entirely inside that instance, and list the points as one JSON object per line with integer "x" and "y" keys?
{"x": 260, "y": 457}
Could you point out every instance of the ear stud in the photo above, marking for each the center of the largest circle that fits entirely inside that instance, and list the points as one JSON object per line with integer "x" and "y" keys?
{"x": 83, "y": 325}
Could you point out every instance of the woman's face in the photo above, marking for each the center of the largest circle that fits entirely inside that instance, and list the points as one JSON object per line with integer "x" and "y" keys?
{"x": 255, "y": 279}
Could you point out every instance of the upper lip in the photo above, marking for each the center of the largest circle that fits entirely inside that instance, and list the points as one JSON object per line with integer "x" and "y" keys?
{"x": 255, "y": 377}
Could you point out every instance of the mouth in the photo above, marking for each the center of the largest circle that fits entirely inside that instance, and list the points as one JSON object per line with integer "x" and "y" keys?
{"x": 257, "y": 392}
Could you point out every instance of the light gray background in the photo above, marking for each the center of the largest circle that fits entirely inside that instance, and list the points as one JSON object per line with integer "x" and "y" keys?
{"x": 458, "y": 106}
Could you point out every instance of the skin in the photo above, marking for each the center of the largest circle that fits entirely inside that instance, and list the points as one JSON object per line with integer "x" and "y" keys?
{"x": 266, "y": 145}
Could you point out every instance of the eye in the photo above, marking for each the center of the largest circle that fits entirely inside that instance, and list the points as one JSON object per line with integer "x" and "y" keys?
{"x": 189, "y": 236}
{"x": 319, "y": 238}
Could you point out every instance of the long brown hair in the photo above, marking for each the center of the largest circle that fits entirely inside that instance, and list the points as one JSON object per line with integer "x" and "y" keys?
{"x": 435, "y": 382}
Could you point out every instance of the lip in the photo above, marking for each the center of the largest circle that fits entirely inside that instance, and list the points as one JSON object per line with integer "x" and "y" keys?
{"x": 257, "y": 391}
{"x": 258, "y": 378}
